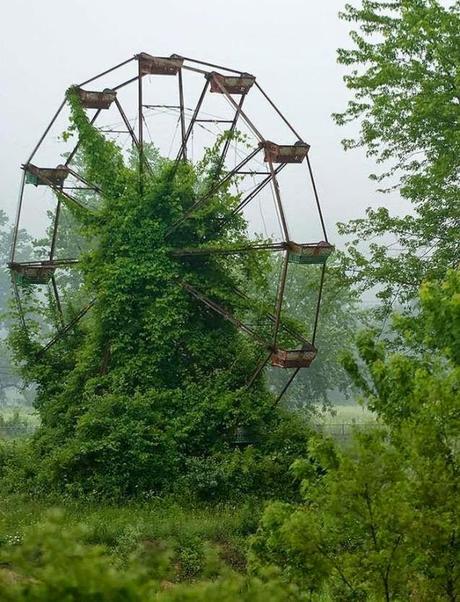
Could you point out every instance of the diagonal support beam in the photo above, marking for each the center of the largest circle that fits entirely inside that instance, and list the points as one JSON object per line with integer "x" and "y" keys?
{"x": 132, "y": 134}
{"x": 219, "y": 309}
{"x": 279, "y": 298}
{"x": 240, "y": 111}
{"x": 279, "y": 203}
{"x": 230, "y": 130}
{"x": 201, "y": 201}
{"x": 66, "y": 328}
{"x": 77, "y": 146}
{"x": 182, "y": 154}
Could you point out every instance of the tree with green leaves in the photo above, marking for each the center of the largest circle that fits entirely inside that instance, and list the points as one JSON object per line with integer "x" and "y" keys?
{"x": 381, "y": 521}
{"x": 404, "y": 77}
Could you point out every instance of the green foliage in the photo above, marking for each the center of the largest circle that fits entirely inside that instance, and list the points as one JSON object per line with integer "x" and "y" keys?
{"x": 381, "y": 520}
{"x": 403, "y": 73}
{"x": 149, "y": 388}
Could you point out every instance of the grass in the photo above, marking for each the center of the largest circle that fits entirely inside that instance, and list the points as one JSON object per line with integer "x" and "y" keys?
{"x": 347, "y": 414}
{"x": 190, "y": 531}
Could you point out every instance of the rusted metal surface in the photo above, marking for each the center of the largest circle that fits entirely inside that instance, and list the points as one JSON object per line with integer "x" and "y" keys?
{"x": 38, "y": 272}
{"x": 310, "y": 253}
{"x": 293, "y": 358}
{"x": 32, "y": 274}
{"x": 96, "y": 100}
{"x": 285, "y": 153}
{"x": 159, "y": 65}
{"x": 45, "y": 176}
{"x": 240, "y": 84}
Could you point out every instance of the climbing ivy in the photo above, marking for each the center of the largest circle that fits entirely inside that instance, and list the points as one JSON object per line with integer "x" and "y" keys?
{"x": 150, "y": 387}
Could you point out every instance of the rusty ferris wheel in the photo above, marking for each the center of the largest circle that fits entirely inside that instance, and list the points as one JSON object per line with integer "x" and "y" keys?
{"x": 198, "y": 112}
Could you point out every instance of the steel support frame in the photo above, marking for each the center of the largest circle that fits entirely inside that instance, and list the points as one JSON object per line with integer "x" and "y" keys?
{"x": 227, "y": 315}
{"x": 279, "y": 204}
{"x": 67, "y": 327}
{"x": 240, "y": 111}
{"x": 182, "y": 154}
{"x": 231, "y": 130}
{"x": 200, "y": 202}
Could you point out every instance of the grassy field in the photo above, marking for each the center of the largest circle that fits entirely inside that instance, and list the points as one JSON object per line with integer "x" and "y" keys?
{"x": 347, "y": 414}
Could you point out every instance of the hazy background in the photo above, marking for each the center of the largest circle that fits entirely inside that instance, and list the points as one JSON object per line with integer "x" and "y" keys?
{"x": 290, "y": 47}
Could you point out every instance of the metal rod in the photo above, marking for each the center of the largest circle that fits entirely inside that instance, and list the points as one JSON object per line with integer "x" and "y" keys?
{"x": 247, "y": 199}
{"x": 90, "y": 185}
{"x": 256, "y": 191}
{"x": 231, "y": 130}
{"x": 279, "y": 298}
{"x": 212, "y": 65}
{"x": 132, "y": 133}
{"x": 294, "y": 333}
{"x": 18, "y": 217}
{"x": 43, "y": 263}
{"x": 226, "y": 314}
{"x": 213, "y": 190}
{"x": 59, "y": 191}
{"x": 19, "y": 304}
{"x": 128, "y": 81}
{"x": 195, "y": 70}
{"x": 229, "y": 250}
{"x": 286, "y": 386}
{"x": 182, "y": 114}
{"x": 72, "y": 154}
{"x": 55, "y": 229}
{"x": 66, "y": 328}
{"x": 255, "y": 173}
{"x": 276, "y": 189}
{"x": 241, "y": 112}
{"x": 213, "y": 120}
{"x": 107, "y": 71}
{"x": 182, "y": 150}
{"x": 315, "y": 191}
{"x": 140, "y": 118}
{"x": 279, "y": 112}
{"x": 58, "y": 301}
{"x": 50, "y": 125}
{"x": 318, "y": 304}
{"x": 258, "y": 370}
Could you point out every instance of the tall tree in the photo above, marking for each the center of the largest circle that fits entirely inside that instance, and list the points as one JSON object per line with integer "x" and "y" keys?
{"x": 404, "y": 76}
{"x": 381, "y": 521}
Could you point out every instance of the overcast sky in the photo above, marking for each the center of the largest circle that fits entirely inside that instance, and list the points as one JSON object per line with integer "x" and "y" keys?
{"x": 290, "y": 46}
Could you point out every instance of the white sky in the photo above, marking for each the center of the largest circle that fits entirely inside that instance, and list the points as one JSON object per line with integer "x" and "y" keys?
{"x": 289, "y": 46}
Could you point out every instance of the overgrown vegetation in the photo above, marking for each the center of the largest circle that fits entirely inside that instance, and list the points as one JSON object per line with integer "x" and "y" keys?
{"x": 145, "y": 396}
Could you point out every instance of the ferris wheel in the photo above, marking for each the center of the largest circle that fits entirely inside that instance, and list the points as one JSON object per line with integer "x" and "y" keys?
{"x": 183, "y": 106}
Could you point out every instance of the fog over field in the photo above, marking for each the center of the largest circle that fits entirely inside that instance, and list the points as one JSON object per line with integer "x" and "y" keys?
{"x": 291, "y": 48}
